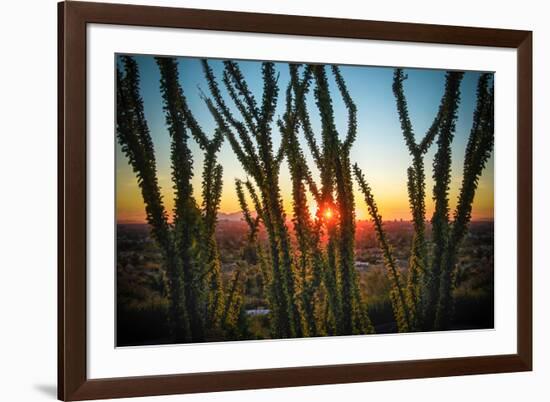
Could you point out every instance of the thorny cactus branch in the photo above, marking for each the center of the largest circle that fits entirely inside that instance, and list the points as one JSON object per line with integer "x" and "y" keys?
{"x": 478, "y": 151}
{"x": 245, "y": 150}
{"x": 187, "y": 217}
{"x": 346, "y": 307}
{"x": 134, "y": 137}
{"x": 251, "y": 123}
{"x": 442, "y": 177}
{"x": 422, "y": 283}
{"x": 237, "y": 78}
{"x": 397, "y": 293}
{"x": 308, "y": 254}
{"x": 350, "y": 106}
{"x": 255, "y": 149}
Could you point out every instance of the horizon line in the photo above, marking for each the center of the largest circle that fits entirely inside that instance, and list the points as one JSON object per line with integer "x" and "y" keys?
{"x": 480, "y": 219}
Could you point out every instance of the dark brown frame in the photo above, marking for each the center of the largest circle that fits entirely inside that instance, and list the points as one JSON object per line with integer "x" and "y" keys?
{"x": 73, "y": 383}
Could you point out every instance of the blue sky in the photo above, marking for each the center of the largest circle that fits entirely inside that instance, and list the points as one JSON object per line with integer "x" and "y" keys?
{"x": 379, "y": 149}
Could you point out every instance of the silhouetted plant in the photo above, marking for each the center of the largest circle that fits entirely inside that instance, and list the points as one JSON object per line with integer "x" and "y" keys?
{"x": 478, "y": 151}
{"x": 234, "y": 315}
{"x": 398, "y": 298}
{"x": 211, "y": 186}
{"x": 422, "y": 283}
{"x": 135, "y": 139}
{"x": 189, "y": 245}
{"x": 187, "y": 218}
{"x": 252, "y": 144}
{"x": 309, "y": 260}
{"x": 431, "y": 277}
{"x": 334, "y": 197}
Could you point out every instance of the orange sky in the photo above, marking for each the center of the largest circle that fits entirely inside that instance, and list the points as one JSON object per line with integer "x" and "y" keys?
{"x": 391, "y": 197}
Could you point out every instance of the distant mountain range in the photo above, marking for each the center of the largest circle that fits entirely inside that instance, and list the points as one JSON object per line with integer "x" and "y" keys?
{"x": 238, "y": 217}
{"x": 233, "y": 216}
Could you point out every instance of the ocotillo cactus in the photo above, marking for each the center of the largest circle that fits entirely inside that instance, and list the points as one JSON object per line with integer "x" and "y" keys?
{"x": 176, "y": 105}
{"x": 251, "y": 142}
{"x": 401, "y": 309}
{"x": 478, "y": 151}
{"x": 189, "y": 246}
{"x": 334, "y": 197}
{"x": 309, "y": 259}
{"x": 135, "y": 139}
{"x": 254, "y": 253}
{"x": 187, "y": 219}
{"x": 180, "y": 117}
{"x": 431, "y": 278}
{"x": 442, "y": 179}
{"x": 233, "y": 315}
{"x": 422, "y": 282}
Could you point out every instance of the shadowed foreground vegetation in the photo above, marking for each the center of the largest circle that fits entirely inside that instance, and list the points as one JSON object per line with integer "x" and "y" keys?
{"x": 143, "y": 306}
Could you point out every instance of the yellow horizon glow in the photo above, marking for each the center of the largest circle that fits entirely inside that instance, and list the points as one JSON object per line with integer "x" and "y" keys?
{"x": 392, "y": 205}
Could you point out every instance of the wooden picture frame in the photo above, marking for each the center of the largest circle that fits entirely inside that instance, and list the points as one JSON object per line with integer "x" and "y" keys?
{"x": 73, "y": 17}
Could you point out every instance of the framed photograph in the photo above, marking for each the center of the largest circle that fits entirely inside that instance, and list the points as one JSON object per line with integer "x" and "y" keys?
{"x": 252, "y": 200}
